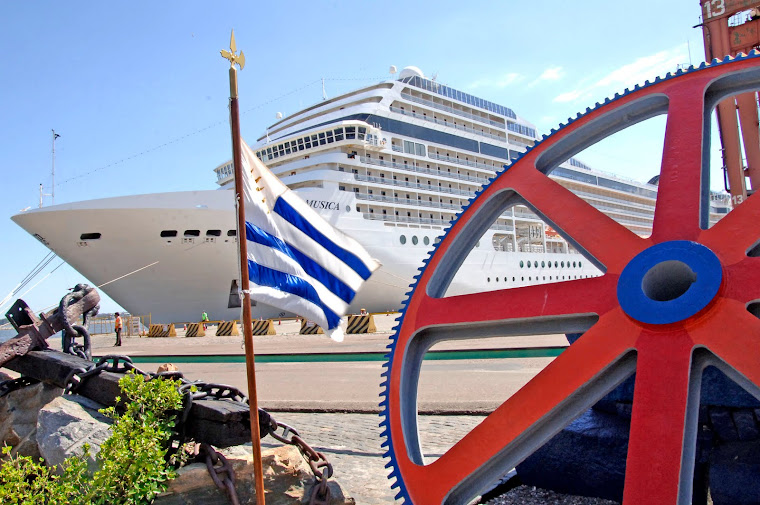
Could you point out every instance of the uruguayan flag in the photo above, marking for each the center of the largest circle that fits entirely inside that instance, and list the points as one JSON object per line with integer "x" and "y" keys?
{"x": 296, "y": 260}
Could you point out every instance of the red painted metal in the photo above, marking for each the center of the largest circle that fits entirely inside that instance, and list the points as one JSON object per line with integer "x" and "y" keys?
{"x": 664, "y": 352}
{"x": 731, "y": 27}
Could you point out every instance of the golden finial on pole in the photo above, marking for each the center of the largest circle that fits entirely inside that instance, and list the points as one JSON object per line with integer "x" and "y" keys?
{"x": 239, "y": 59}
{"x": 235, "y": 59}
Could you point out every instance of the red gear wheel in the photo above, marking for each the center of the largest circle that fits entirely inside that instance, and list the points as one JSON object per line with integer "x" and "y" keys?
{"x": 667, "y": 357}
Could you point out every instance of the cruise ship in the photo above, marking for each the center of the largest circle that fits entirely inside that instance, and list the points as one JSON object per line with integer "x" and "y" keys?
{"x": 391, "y": 164}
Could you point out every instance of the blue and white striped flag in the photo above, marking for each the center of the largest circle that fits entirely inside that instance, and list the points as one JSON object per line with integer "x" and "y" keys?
{"x": 297, "y": 261}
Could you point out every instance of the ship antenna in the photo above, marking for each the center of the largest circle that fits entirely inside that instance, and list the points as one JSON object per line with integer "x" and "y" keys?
{"x": 324, "y": 94}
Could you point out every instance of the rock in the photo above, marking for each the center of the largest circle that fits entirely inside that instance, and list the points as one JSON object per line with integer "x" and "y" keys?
{"x": 67, "y": 423}
{"x": 287, "y": 480}
{"x": 18, "y": 416}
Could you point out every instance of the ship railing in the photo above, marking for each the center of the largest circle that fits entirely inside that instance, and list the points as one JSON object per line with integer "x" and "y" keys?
{"x": 610, "y": 209}
{"x": 407, "y": 201}
{"x": 452, "y": 110}
{"x": 396, "y": 148}
{"x": 405, "y": 219}
{"x": 611, "y": 199}
{"x": 441, "y": 122}
{"x": 458, "y": 161}
{"x": 423, "y": 170}
{"x": 407, "y": 184}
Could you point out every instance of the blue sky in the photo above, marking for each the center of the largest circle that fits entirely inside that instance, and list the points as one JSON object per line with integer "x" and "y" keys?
{"x": 138, "y": 90}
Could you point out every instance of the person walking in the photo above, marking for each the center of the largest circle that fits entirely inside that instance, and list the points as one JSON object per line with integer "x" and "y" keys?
{"x": 117, "y": 329}
{"x": 204, "y": 319}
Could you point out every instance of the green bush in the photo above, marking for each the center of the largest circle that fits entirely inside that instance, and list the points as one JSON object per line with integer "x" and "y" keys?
{"x": 133, "y": 462}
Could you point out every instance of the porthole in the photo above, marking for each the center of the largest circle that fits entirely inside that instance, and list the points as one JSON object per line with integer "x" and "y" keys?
{"x": 414, "y": 239}
{"x": 497, "y": 279}
{"x": 513, "y": 279}
{"x": 530, "y": 279}
{"x": 89, "y": 236}
{"x": 529, "y": 264}
{"x": 426, "y": 240}
{"x": 402, "y": 238}
{"x": 555, "y": 264}
{"x": 562, "y": 265}
{"x": 231, "y": 233}
{"x": 543, "y": 264}
{"x": 573, "y": 264}
{"x": 168, "y": 233}
{"x": 522, "y": 264}
{"x": 192, "y": 233}
{"x": 580, "y": 265}
{"x": 522, "y": 279}
{"x": 543, "y": 278}
{"x": 489, "y": 279}
{"x": 213, "y": 233}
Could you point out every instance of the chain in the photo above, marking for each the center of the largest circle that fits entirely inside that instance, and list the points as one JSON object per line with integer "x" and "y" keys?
{"x": 198, "y": 390}
{"x": 10, "y": 385}
{"x": 320, "y": 467}
{"x": 71, "y": 332}
{"x": 220, "y": 470}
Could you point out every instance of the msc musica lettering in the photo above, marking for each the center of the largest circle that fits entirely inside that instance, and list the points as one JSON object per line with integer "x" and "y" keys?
{"x": 323, "y": 204}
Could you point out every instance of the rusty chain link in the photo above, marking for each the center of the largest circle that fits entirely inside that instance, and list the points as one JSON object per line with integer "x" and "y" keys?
{"x": 320, "y": 467}
{"x": 71, "y": 332}
{"x": 10, "y": 385}
{"x": 220, "y": 470}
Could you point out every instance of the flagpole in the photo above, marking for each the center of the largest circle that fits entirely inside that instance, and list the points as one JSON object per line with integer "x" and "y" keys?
{"x": 237, "y": 160}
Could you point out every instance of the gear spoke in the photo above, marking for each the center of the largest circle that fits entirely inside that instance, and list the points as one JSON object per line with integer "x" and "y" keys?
{"x": 676, "y": 215}
{"x": 578, "y": 297}
{"x": 537, "y": 407}
{"x": 737, "y": 343}
{"x": 591, "y": 229}
{"x": 743, "y": 280}
{"x": 658, "y": 419}
{"x": 736, "y": 232}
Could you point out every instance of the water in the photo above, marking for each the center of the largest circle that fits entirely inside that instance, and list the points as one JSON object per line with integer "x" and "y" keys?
{"x": 7, "y": 334}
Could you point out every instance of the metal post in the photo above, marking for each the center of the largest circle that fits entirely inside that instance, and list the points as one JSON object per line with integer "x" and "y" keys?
{"x": 237, "y": 161}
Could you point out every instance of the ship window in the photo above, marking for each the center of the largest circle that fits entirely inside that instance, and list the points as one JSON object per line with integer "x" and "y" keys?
{"x": 169, "y": 233}
{"x": 322, "y": 139}
{"x": 192, "y": 233}
{"x": 573, "y": 264}
{"x": 579, "y": 264}
{"x": 426, "y": 240}
{"x": 89, "y": 236}
{"x": 330, "y": 138}
{"x": 414, "y": 239}
{"x": 307, "y": 143}
{"x": 522, "y": 264}
{"x": 555, "y": 264}
{"x": 214, "y": 233}
{"x": 489, "y": 279}
{"x": 403, "y": 239}
{"x": 231, "y": 233}
{"x": 362, "y": 131}
{"x": 529, "y": 264}
{"x": 535, "y": 264}
{"x": 314, "y": 141}
{"x": 563, "y": 266}
{"x": 542, "y": 264}
{"x": 350, "y": 132}
{"x": 338, "y": 134}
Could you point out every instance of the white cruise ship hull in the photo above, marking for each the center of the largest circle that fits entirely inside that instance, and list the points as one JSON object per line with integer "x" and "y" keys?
{"x": 174, "y": 279}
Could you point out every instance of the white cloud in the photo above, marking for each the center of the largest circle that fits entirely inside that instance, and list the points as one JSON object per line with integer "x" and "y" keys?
{"x": 630, "y": 74}
{"x": 497, "y": 82}
{"x": 552, "y": 74}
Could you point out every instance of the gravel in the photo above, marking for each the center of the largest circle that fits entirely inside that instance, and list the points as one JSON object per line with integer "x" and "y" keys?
{"x": 529, "y": 495}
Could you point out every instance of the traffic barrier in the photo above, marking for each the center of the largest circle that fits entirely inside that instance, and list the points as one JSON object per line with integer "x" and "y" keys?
{"x": 162, "y": 330}
{"x": 265, "y": 327}
{"x": 195, "y": 330}
{"x": 361, "y": 323}
{"x": 227, "y": 329}
{"x": 310, "y": 328}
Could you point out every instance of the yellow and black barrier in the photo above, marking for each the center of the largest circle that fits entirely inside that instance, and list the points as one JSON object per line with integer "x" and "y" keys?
{"x": 227, "y": 329}
{"x": 162, "y": 330}
{"x": 310, "y": 328}
{"x": 195, "y": 330}
{"x": 265, "y": 327}
{"x": 361, "y": 323}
